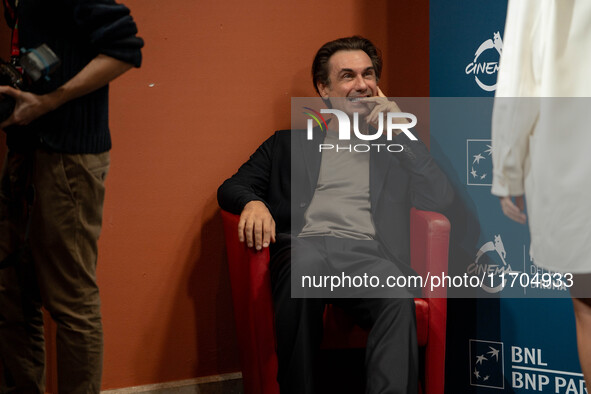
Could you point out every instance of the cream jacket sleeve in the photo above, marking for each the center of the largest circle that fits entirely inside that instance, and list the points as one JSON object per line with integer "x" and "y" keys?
{"x": 513, "y": 116}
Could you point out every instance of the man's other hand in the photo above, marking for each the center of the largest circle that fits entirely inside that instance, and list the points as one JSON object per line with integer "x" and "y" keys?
{"x": 514, "y": 210}
{"x": 256, "y": 225}
{"x": 28, "y": 106}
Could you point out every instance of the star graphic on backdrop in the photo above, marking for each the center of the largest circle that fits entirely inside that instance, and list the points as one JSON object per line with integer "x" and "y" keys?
{"x": 494, "y": 353}
{"x": 486, "y": 378}
{"x": 474, "y": 173}
{"x": 477, "y": 158}
{"x": 489, "y": 150}
{"x": 480, "y": 359}
{"x": 483, "y": 176}
{"x": 476, "y": 373}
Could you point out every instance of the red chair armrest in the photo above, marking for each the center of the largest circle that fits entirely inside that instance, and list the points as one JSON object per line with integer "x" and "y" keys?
{"x": 253, "y": 310}
{"x": 429, "y": 247}
{"x": 429, "y": 234}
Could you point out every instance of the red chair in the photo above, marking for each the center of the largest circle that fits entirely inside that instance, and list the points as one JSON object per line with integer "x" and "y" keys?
{"x": 253, "y": 309}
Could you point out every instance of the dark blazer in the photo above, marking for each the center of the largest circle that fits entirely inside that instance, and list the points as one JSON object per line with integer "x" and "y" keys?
{"x": 283, "y": 173}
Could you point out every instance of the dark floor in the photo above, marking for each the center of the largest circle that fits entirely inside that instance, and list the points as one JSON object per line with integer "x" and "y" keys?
{"x": 343, "y": 371}
{"x": 228, "y": 387}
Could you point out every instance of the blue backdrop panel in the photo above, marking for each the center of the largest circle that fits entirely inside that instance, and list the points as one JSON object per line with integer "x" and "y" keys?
{"x": 463, "y": 46}
{"x": 503, "y": 343}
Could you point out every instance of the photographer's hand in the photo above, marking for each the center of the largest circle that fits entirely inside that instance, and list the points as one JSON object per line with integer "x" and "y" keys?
{"x": 96, "y": 74}
{"x": 28, "y": 106}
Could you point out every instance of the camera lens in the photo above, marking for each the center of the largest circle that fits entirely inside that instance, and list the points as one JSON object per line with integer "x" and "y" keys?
{"x": 9, "y": 76}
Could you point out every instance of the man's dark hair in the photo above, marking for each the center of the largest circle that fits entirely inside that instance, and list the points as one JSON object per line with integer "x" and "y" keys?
{"x": 320, "y": 70}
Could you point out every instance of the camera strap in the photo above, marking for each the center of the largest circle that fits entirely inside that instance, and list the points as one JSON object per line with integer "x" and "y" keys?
{"x": 15, "y": 51}
{"x": 12, "y": 14}
{"x": 10, "y": 9}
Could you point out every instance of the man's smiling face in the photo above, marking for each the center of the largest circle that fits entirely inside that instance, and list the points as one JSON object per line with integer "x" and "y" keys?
{"x": 351, "y": 75}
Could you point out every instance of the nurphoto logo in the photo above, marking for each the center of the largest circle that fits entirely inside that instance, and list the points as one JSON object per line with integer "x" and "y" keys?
{"x": 402, "y": 121}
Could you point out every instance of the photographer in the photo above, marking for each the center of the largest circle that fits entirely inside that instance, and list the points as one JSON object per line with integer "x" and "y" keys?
{"x": 52, "y": 188}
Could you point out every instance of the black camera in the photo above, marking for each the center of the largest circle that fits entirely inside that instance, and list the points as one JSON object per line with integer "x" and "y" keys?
{"x": 35, "y": 64}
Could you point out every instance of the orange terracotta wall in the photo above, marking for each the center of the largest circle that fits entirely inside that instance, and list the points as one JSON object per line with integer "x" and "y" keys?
{"x": 217, "y": 79}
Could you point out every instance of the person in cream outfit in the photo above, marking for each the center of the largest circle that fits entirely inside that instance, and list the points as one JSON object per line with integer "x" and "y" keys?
{"x": 541, "y": 134}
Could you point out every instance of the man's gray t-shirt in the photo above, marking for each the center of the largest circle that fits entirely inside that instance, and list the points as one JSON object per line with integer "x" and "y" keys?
{"x": 340, "y": 206}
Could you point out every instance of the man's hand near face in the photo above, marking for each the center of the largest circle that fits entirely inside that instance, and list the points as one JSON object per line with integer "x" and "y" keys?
{"x": 382, "y": 105}
{"x": 256, "y": 225}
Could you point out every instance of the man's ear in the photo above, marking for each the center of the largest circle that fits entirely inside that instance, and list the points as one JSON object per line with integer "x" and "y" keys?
{"x": 323, "y": 90}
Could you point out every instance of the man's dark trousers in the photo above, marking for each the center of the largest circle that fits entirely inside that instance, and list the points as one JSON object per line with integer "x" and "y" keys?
{"x": 391, "y": 359}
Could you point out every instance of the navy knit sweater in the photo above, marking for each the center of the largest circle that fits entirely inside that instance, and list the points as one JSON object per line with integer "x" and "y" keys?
{"x": 77, "y": 31}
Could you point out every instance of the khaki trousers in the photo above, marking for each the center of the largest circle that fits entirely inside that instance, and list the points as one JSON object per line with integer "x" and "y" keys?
{"x": 50, "y": 219}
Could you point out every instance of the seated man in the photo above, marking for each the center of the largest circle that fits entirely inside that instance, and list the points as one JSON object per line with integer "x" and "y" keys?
{"x": 325, "y": 210}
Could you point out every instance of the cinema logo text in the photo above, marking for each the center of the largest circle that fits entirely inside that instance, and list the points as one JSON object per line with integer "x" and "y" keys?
{"x": 486, "y": 68}
{"x": 393, "y": 122}
{"x": 490, "y": 265}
